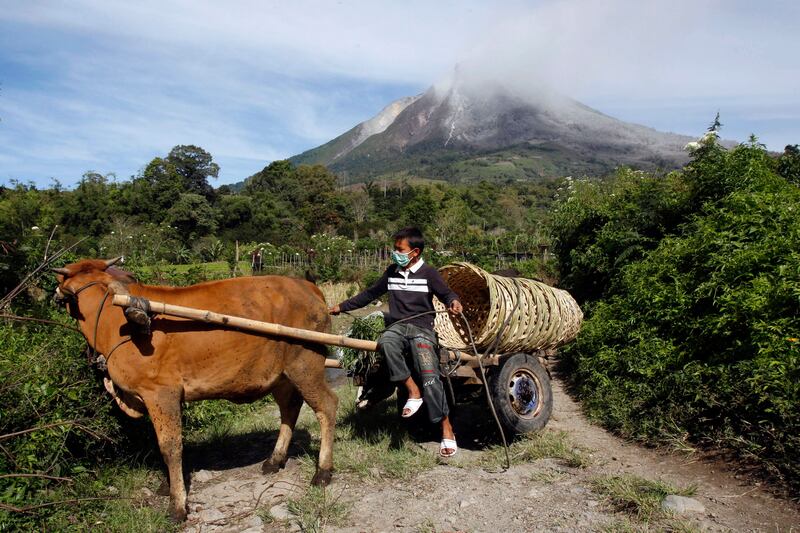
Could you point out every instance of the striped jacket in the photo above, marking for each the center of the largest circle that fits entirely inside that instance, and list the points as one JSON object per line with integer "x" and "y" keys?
{"x": 411, "y": 291}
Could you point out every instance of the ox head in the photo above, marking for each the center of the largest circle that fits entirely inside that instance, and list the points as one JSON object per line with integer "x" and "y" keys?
{"x": 73, "y": 277}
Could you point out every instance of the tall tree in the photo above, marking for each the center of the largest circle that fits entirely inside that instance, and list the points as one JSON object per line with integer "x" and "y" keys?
{"x": 195, "y": 165}
{"x": 151, "y": 194}
{"x": 277, "y": 177}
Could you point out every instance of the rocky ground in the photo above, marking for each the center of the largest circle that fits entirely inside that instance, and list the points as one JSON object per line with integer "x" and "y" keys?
{"x": 470, "y": 494}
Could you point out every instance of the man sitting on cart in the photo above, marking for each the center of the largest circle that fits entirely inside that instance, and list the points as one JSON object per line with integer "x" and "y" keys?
{"x": 411, "y": 284}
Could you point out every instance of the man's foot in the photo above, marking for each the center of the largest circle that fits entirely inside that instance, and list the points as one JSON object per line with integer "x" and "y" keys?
{"x": 411, "y": 407}
{"x": 448, "y": 447}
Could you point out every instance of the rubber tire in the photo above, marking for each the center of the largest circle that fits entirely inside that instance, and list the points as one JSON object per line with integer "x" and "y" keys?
{"x": 499, "y": 381}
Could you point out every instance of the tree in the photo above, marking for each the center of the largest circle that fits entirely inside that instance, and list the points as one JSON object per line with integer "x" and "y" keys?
{"x": 278, "y": 176}
{"x": 235, "y": 210}
{"x": 89, "y": 207}
{"x": 789, "y": 164}
{"x": 151, "y": 194}
{"x": 193, "y": 216}
{"x": 195, "y": 165}
{"x": 360, "y": 206}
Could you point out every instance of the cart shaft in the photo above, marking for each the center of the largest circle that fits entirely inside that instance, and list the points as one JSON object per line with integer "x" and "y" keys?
{"x": 211, "y": 317}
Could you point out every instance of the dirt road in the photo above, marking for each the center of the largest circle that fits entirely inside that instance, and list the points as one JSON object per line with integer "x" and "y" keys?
{"x": 471, "y": 494}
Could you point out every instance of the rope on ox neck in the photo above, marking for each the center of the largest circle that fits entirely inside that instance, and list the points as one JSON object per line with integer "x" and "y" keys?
{"x": 95, "y": 357}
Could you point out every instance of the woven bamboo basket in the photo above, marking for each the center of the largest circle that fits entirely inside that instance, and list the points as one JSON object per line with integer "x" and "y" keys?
{"x": 545, "y": 317}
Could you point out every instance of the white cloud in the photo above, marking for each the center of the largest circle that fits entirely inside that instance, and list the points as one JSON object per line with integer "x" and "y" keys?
{"x": 645, "y": 50}
{"x": 252, "y": 81}
{"x": 391, "y": 41}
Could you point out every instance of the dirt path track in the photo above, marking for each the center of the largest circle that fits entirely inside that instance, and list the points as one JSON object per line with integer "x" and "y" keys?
{"x": 542, "y": 495}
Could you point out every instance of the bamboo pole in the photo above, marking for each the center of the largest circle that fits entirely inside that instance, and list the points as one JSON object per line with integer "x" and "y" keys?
{"x": 211, "y": 317}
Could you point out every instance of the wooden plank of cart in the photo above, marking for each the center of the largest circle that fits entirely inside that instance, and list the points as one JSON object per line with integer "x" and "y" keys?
{"x": 518, "y": 382}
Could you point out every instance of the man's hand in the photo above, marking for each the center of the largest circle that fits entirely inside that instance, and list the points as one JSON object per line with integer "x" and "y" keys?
{"x": 456, "y": 307}
{"x": 335, "y": 310}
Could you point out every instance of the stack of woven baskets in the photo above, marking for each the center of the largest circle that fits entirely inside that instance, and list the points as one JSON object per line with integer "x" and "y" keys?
{"x": 541, "y": 316}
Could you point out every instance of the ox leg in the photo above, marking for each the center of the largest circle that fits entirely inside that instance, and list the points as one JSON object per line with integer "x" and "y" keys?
{"x": 289, "y": 402}
{"x": 165, "y": 412}
{"x": 309, "y": 378}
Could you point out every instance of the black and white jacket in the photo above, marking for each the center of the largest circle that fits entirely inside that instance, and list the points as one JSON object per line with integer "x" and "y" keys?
{"x": 411, "y": 291}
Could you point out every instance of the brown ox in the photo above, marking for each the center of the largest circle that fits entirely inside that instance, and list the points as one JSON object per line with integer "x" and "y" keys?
{"x": 184, "y": 361}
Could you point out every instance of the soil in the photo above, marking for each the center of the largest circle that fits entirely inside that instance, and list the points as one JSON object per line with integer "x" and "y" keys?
{"x": 228, "y": 489}
{"x": 543, "y": 495}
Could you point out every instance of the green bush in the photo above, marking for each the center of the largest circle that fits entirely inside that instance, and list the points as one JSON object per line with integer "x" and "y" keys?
{"x": 698, "y": 336}
{"x": 601, "y": 226}
{"x": 65, "y": 423}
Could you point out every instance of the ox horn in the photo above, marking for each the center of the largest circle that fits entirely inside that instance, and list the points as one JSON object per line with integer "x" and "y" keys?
{"x": 62, "y": 271}
{"x": 112, "y": 262}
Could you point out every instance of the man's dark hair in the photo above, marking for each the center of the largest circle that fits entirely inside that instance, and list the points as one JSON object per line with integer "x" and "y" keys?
{"x": 414, "y": 236}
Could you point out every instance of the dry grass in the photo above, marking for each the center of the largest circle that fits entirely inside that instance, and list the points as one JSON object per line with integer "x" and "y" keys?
{"x": 319, "y": 508}
{"x": 546, "y": 444}
{"x": 368, "y": 444}
{"x": 636, "y": 496}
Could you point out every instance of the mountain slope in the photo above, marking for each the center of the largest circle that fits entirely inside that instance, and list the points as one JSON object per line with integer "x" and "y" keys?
{"x": 329, "y": 152}
{"x": 476, "y": 130}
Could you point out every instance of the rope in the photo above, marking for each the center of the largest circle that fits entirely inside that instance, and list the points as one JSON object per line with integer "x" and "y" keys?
{"x": 95, "y": 357}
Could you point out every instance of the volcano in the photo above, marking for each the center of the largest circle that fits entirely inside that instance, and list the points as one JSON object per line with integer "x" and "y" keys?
{"x": 467, "y": 129}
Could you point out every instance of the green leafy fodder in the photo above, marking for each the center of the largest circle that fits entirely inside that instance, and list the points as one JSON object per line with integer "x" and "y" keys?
{"x": 369, "y": 328}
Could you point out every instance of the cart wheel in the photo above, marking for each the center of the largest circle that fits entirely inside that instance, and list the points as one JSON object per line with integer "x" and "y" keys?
{"x": 521, "y": 394}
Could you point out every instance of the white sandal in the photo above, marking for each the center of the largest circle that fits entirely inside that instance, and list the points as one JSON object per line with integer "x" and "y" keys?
{"x": 448, "y": 444}
{"x": 413, "y": 405}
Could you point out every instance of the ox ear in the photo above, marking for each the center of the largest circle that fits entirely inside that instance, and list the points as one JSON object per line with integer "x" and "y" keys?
{"x": 63, "y": 271}
{"x": 111, "y": 262}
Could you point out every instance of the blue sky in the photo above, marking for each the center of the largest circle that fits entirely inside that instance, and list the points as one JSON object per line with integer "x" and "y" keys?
{"x": 106, "y": 86}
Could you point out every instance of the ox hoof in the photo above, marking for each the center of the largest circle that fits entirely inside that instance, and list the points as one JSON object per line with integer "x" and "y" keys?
{"x": 177, "y": 515}
{"x": 268, "y": 467}
{"x": 322, "y": 478}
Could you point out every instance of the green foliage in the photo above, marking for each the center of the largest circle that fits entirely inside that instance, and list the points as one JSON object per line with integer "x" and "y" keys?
{"x": 696, "y": 333}
{"x": 327, "y": 253}
{"x": 66, "y": 425}
{"x": 193, "y": 216}
{"x": 90, "y": 205}
{"x": 195, "y": 166}
{"x": 789, "y": 164}
{"x": 169, "y": 213}
{"x": 601, "y": 226}
{"x": 369, "y": 328}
